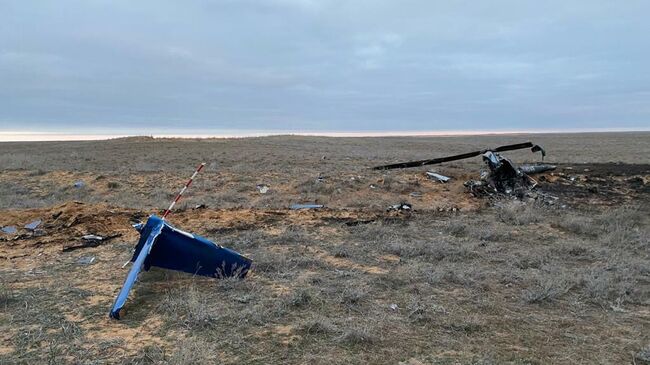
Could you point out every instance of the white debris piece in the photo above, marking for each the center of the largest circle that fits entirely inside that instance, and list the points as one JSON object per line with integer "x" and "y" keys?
{"x": 435, "y": 176}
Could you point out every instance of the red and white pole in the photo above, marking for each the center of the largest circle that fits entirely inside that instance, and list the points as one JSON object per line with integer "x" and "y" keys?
{"x": 178, "y": 197}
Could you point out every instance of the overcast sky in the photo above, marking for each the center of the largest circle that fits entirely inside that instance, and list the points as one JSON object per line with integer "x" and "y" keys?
{"x": 324, "y": 65}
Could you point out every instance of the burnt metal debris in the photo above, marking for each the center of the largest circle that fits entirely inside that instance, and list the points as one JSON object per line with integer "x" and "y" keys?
{"x": 502, "y": 175}
{"x": 401, "y": 207}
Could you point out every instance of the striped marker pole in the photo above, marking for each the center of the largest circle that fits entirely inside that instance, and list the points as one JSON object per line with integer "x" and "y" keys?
{"x": 178, "y": 197}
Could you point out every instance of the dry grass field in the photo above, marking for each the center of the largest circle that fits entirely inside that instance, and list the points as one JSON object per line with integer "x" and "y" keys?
{"x": 460, "y": 280}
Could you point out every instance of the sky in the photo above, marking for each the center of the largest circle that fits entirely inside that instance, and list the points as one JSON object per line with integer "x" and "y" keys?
{"x": 189, "y": 66}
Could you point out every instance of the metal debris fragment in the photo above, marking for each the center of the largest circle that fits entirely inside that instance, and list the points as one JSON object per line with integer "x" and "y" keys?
{"x": 33, "y": 225}
{"x": 435, "y": 176}
{"x": 79, "y": 184}
{"x": 163, "y": 245}
{"x": 89, "y": 240}
{"x": 536, "y": 169}
{"x": 401, "y": 207}
{"x": 306, "y": 206}
{"x": 262, "y": 188}
{"x": 9, "y": 229}
{"x": 86, "y": 260}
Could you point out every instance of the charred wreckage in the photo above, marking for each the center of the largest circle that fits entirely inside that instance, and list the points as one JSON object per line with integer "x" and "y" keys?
{"x": 501, "y": 178}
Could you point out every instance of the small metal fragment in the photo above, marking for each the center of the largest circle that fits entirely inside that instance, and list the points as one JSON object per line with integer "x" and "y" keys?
{"x": 9, "y": 229}
{"x": 442, "y": 178}
{"x": 32, "y": 226}
{"x": 401, "y": 207}
{"x": 306, "y": 206}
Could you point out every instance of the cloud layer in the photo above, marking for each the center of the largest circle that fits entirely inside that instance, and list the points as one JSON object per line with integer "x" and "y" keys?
{"x": 329, "y": 65}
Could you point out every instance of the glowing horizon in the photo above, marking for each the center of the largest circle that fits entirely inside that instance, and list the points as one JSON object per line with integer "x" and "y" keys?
{"x": 48, "y": 136}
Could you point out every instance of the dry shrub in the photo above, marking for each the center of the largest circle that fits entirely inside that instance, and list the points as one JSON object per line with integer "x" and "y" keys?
{"x": 318, "y": 326}
{"x": 643, "y": 356}
{"x": 549, "y": 286}
{"x": 194, "y": 351}
{"x": 5, "y": 294}
{"x": 467, "y": 325}
{"x": 353, "y": 296}
{"x": 431, "y": 251}
{"x": 358, "y": 336}
{"x": 624, "y": 227}
{"x": 190, "y": 307}
{"x": 578, "y": 224}
{"x": 518, "y": 213}
{"x": 456, "y": 227}
{"x": 604, "y": 287}
{"x": 423, "y": 309}
{"x": 315, "y": 187}
{"x": 489, "y": 232}
{"x": 302, "y": 297}
{"x": 394, "y": 185}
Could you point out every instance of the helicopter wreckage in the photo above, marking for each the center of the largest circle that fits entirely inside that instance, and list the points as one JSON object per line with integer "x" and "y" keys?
{"x": 502, "y": 177}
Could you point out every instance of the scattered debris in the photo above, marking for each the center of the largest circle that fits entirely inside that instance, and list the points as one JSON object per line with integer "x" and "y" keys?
{"x": 401, "y": 207}
{"x": 435, "y": 176}
{"x": 536, "y": 169}
{"x": 433, "y": 161}
{"x": 92, "y": 237}
{"x": 415, "y": 194}
{"x": 306, "y": 206}
{"x": 79, "y": 184}
{"x": 9, "y": 229}
{"x": 33, "y": 225}
{"x": 262, "y": 188}
{"x": 502, "y": 176}
{"x": 199, "y": 206}
{"x": 373, "y": 186}
{"x": 89, "y": 240}
{"x": 165, "y": 246}
{"x": 393, "y": 307}
{"x": 86, "y": 260}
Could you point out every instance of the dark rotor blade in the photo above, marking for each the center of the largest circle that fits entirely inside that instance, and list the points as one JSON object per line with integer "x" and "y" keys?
{"x": 434, "y": 161}
{"x": 512, "y": 147}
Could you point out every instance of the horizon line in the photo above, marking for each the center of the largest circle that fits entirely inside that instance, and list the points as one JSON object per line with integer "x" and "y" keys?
{"x": 32, "y": 136}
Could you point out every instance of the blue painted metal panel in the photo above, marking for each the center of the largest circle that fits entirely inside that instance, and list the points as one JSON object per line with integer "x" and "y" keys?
{"x": 147, "y": 239}
{"x": 165, "y": 246}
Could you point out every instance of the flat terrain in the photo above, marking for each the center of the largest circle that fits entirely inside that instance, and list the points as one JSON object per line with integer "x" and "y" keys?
{"x": 458, "y": 280}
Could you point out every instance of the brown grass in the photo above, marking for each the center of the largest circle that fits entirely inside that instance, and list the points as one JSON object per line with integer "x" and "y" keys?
{"x": 506, "y": 283}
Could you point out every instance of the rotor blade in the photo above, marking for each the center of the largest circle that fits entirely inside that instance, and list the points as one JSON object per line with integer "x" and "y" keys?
{"x": 434, "y": 161}
{"x": 512, "y": 147}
